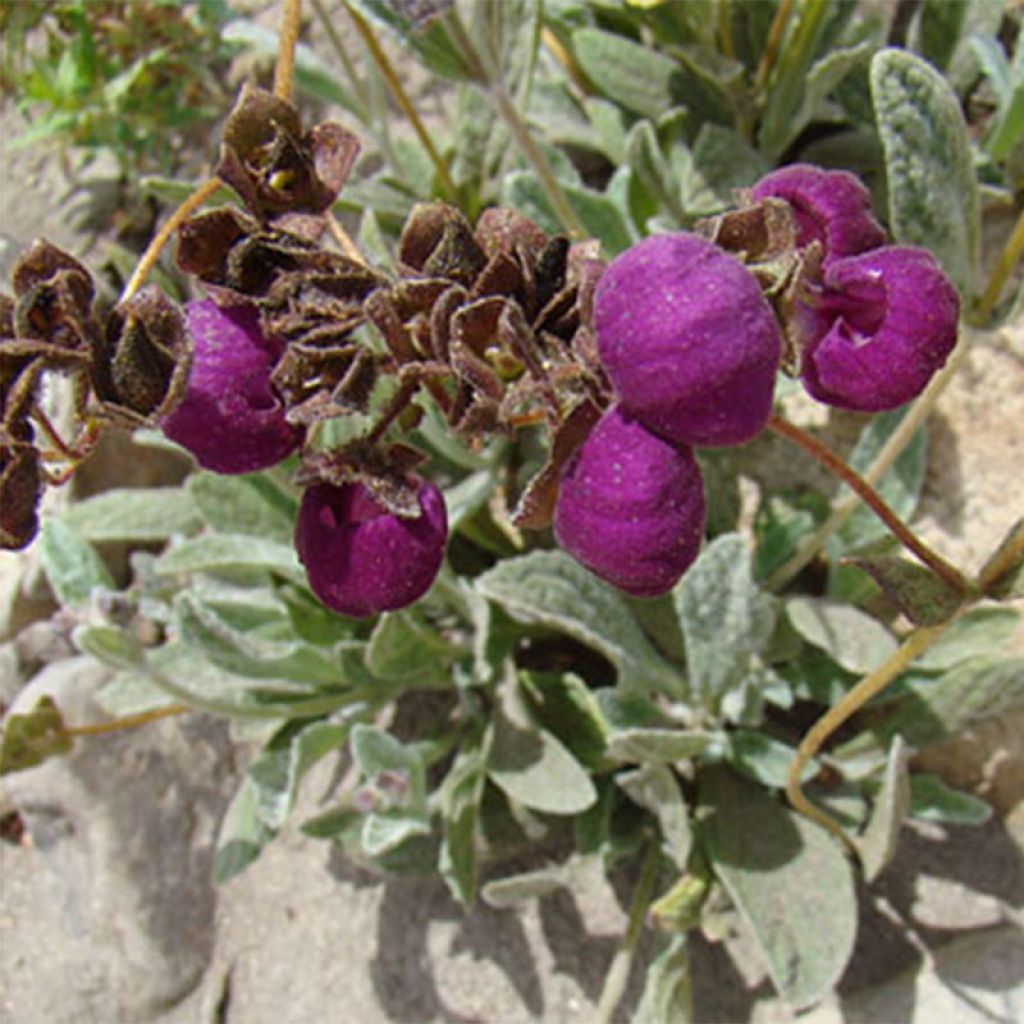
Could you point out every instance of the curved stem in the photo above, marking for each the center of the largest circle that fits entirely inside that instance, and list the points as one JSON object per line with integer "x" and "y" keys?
{"x": 284, "y": 69}
{"x": 873, "y": 683}
{"x": 772, "y": 43}
{"x": 1008, "y": 259}
{"x": 362, "y": 95}
{"x": 348, "y": 248}
{"x": 949, "y": 573}
{"x": 618, "y": 973}
{"x": 891, "y": 450}
{"x": 401, "y": 97}
{"x": 148, "y": 259}
{"x": 128, "y": 722}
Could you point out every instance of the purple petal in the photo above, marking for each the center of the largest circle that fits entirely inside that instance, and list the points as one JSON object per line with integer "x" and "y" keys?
{"x": 230, "y": 418}
{"x": 885, "y": 321}
{"x": 362, "y": 560}
{"x": 631, "y": 507}
{"x": 831, "y": 207}
{"x": 688, "y": 340}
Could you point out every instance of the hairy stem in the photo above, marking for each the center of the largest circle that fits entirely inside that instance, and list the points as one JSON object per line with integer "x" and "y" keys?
{"x": 618, "y": 973}
{"x": 284, "y": 69}
{"x": 401, "y": 97}
{"x": 148, "y": 259}
{"x": 362, "y": 94}
{"x": 1008, "y": 259}
{"x": 520, "y": 131}
{"x": 949, "y": 573}
{"x": 873, "y": 683}
{"x": 128, "y": 722}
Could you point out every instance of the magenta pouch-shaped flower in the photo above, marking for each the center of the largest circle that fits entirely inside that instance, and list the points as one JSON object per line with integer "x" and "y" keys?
{"x": 361, "y": 559}
{"x": 831, "y": 207}
{"x": 631, "y": 506}
{"x": 688, "y": 340}
{"x": 230, "y": 418}
{"x": 884, "y": 322}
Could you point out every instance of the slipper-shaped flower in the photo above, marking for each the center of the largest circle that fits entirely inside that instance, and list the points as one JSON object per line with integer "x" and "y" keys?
{"x": 884, "y": 322}
{"x": 230, "y": 419}
{"x": 831, "y": 207}
{"x": 361, "y": 559}
{"x": 631, "y": 506}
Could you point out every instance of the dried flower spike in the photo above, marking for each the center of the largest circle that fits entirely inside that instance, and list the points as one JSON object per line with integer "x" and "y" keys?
{"x": 361, "y": 559}
{"x": 230, "y": 419}
{"x": 631, "y": 507}
{"x": 688, "y": 340}
{"x": 831, "y": 207}
{"x": 883, "y": 323}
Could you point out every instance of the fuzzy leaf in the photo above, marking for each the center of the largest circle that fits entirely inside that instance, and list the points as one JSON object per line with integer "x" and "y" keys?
{"x": 720, "y": 163}
{"x": 878, "y": 843}
{"x": 248, "y": 504}
{"x": 750, "y": 838}
{"x": 854, "y": 640}
{"x": 110, "y": 644}
{"x": 230, "y": 551}
{"x": 931, "y": 799}
{"x": 530, "y": 885}
{"x": 404, "y": 649}
{"x": 933, "y": 192}
{"x": 548, "y": 588}
{"x": 979, "y": 631}
{"x": 925, "y": 598}
{"x": 657, "y": 745}
{"x": 725, "y": 617}
{"x": 764, "y": 759}
{"x": 656, "y": 789}
{"x": 535, "y": 769}
{"x": 72, "y": 567}
{"x": 242, "y": 836}
{"x": 460, "y": 795}
{"x": 563, "y": 704}
{"x": 667, "y": 996}
{"x": 32, "y": 737}
{"x": 639, "y": 78}
{"x": 135, "y": 514}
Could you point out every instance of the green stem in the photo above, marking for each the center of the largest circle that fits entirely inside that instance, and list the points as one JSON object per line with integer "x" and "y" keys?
{"x": 1008, "y": 259}
{"x": 520, "y": 131}
{"x": 949, "y": 573}
{"x": 872, "y": 684}
{"x": 358, "y": 85}
{"x": 401, "y": 97}
{"x": 891, "y": 450}
{"x": 618, "y": 973}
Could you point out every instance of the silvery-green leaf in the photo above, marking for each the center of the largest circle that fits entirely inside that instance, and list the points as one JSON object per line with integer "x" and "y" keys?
{"x": 248, "y": 504}
{"x": 667, "y": 996}
{"x": 725, "y": 617}
{"x": 931, "y": 799}
{"x": 763, "y": 758}
{"x": 657, "y": 745}
{"x": 644, "y": 155}
{"x": 933, "y": 191}
{"x": 405, "y": 649}
{"x": 530, "y": 885}
{"x": 375, "y": 750}
{"x": 459, "y": 797}
{"x": 789, "y": 880}
{"x": 878, "y": 843}
{"x": 468, "y": 496}
{"x": 854, "y": 640}
{"x": 655, "y": 788}
{"x": 532, "y": 767}
{"x": 278, "y": 769}
{"x": 978, "y": 631}
{"x": 135, "y": 514}
{"x": 900, "y": 488}
{"x": 639, "y": 78}
{"x": 383, "y": 833}
{"x": 131, "y": 693}
{"x": 548, "y": 588}
{"x": 220, "y": 551}
{"x": 1007, "y": 82}
{"x": 563, "y": 704}
{"x": 242, "y": 836}
{"x": 112, "y": 645}
{"x": 72, "y": 567}
{"x": 936, "y": 30}
{"x": 607, "y": 127}
{"x": 720, "y": 163}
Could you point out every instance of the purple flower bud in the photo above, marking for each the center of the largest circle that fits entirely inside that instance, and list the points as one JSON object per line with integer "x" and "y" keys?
{"x": 631, "y": 506}
{"x": 688, "y": 340}
{"x": 230, "y": 418}
{"x": 831, "y": 207}
{"x": 883, "y": 323}
{"x": 361, "y": 559}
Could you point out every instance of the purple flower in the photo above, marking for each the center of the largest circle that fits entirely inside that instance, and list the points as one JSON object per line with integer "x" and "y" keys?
{"x": 882, "y": 324}
{"x": 631, "y": 506}
{"x": 361, "y": 559}
{"x": 688, "y": 340}
{"x": 831, "y": 207}
{"x": 230, "y": 418}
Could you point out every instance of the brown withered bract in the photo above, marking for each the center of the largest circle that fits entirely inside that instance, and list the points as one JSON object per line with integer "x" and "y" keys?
{"x": 21, "y": 486}
{"x": 276, "y": 167}
{"x": 144, "y": 359}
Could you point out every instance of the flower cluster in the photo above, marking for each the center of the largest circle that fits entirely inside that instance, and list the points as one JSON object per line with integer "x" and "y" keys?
{"x": 675, "y": 344}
